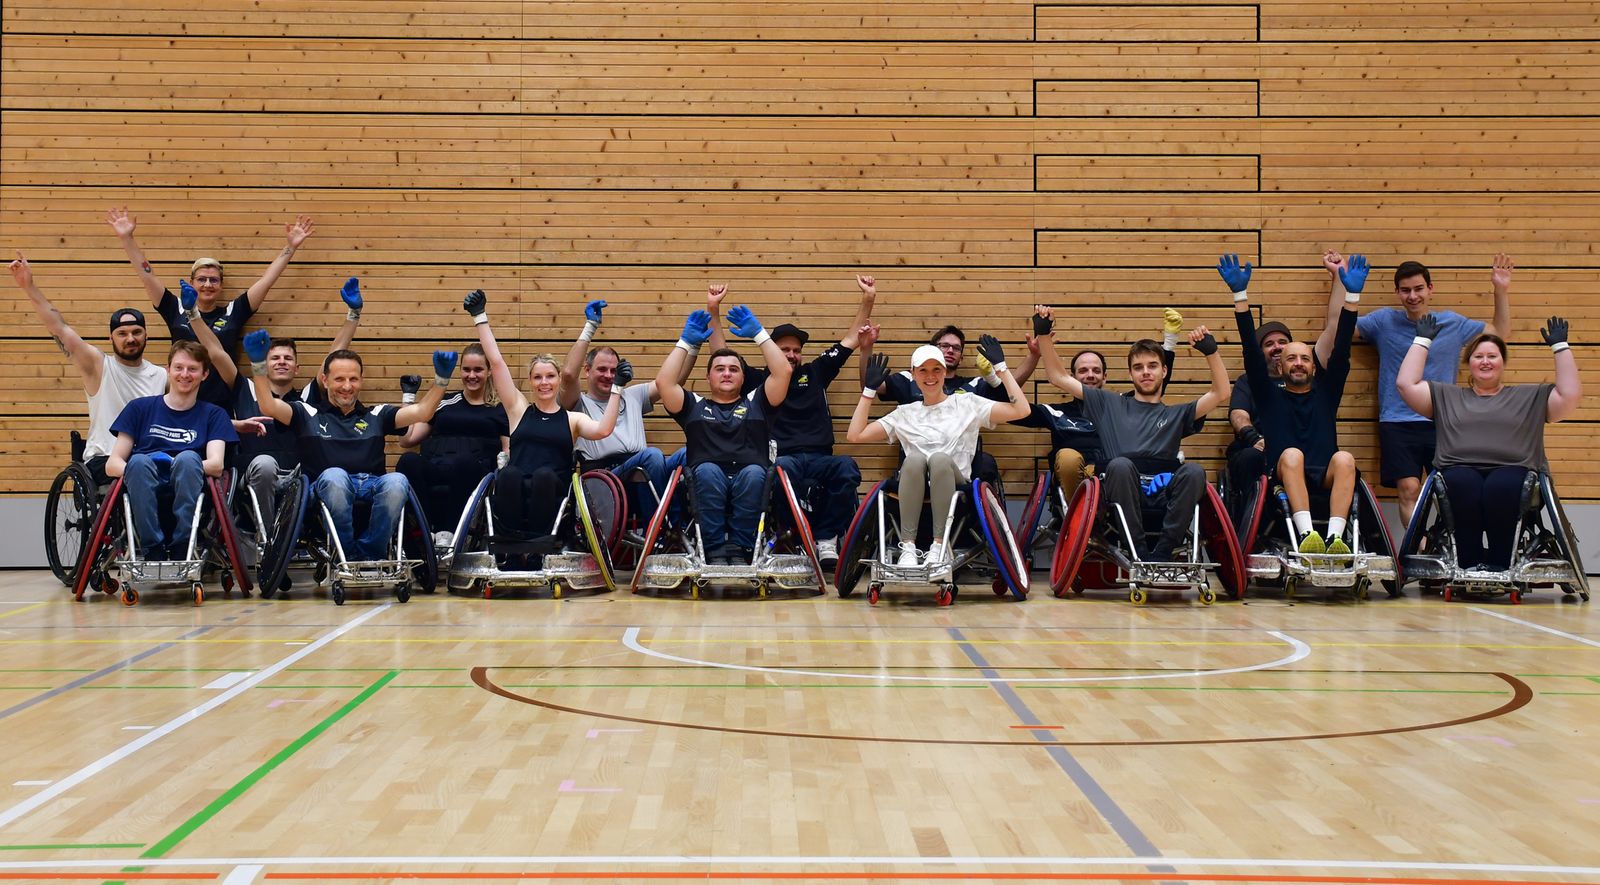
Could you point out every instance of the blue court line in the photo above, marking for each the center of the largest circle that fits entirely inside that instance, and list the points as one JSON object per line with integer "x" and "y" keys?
{"x": 1121, "y": 824}
{"x": 104, "y": 671}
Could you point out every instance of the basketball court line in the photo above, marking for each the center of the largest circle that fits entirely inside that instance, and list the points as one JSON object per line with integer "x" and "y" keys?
{"x": 1551, "y": 630}
{"x": 32, "y": 803}
{"x": 1299, "y": 651}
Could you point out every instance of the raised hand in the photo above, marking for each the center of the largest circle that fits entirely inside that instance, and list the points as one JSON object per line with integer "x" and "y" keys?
{"x": 877, "y": 370}
{"x": 409, "y": 385}
{"x": 1501, "y": 275}
{"x": 1354, "y": 274}
{"x": 989, "y": 348}
{"x": 697, "y": 328}
{"x": 592, "y": 310}
{"x": 22, "y": 272}
{"x": 1237, "y": 276}
{"x": 477, "y": 304}
{"x": 256, "y": 346}
{"x": 297, "y": 231}
{"x": 444, "y": 365}
{"x": 121, "y": 222}
{"x": 187, "y": 298}
{"x": 744, "y": 323}
{"x": 714, "y": 295}
{"x": 869, "y": 285}
{"x": 256, "y": 426}
{"x": 1171, "y": 322}
{"x": 1332, "y": 261}
{"x": 1554, "y": 333}
{"x": 1428, "y": 326}
{"x": 1043, "y": 321}
{"x": 351, "y": 293}
{"x": 869, "y": 332}
{"x": 1200, "y": 339}
{"x": 624, "y": 374}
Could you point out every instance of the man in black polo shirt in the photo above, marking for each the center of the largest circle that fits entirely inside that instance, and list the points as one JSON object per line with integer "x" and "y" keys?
{"x": 726, "y": 432}
{"x": 226, "y": 320}
{"x": 1300, "y": 416}
{"x": 341, "y": 442}
{"x": 803, "y": 426}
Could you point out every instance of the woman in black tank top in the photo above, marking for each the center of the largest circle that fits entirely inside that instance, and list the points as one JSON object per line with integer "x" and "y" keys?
{"x": 530, "y": 488}
{"x": 459, "y": 443}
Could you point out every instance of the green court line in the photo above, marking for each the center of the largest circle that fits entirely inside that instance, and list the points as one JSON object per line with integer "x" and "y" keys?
{"x": 184, "y": 829}
{"x": 65, "y": 847}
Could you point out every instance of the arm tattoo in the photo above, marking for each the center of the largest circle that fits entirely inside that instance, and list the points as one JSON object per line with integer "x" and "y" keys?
{"x": 144, "y": 266}
{"x": 288, "y": 252}
{"x": 60, "y": 344}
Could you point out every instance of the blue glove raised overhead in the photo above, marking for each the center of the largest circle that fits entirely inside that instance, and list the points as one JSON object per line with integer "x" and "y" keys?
{"x": 351, "y": 293}
{"x": 1354, "y": 274}
{"x": 444, "y": 365}
{"x": 744, "y": 323}
{"x": 256, "y": 346}
{"x": 1156, "y": 483}
{"x": 696, "y": 329}
{"x": 187, "y": 299}
{"x": 591, "y": 311}
{"x": 1237, "y": 276}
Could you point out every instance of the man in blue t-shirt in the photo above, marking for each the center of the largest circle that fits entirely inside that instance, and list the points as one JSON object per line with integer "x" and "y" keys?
{"x": 1406, "y": 439}
{"x": 169, "y": 441}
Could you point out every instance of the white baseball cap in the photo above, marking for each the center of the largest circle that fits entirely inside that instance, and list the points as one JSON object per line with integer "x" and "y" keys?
{"x": 926, "y": 353}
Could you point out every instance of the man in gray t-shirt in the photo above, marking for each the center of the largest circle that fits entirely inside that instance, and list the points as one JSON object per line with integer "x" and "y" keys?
{"x": 625, "y": 448}
{"x": 1140, "y": 436}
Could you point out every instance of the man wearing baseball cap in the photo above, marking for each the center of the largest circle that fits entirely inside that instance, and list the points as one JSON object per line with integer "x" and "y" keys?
{"x": 110, "y": 381}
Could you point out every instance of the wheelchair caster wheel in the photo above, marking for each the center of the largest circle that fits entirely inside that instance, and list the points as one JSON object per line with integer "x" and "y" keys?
{"x": 999, "y": 587}
{"x": 337, "y": 592}
{"x": 695, "y": 588}
{"x": 130, "y": 596}
{"x": 320, "y": 573}
{"x": 402, "y": 593}
{"x": 488, "y": 589}
{"x": 1138, "y": 596}
{"x": 555, "y": 589}
{"x": 761, "y": 590}
{"x": 874, "y": 593}
{"x": 1393, "y": 589}
{"x": 1207, "y": 596}
{"x": 109, "y": 586}
{"x": 199, "y": 592}
{"x": 283, "y": 588}
{"x": 945, "y": 595}
{"x": 1449, "y": 593}
{"x": 226, "y": 580}
{"x": 1516, "y": 596}
{"x": 1363, "y": 591}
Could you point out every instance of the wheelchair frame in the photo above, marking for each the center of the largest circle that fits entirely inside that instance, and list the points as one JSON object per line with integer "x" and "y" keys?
{"x": 479, "y": 570}
{"x": 1281, "y": 564}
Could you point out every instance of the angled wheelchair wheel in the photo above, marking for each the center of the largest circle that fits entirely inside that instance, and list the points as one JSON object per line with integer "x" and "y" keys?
{"x": 1223, "y": 543}
{"x": 997, "y": 536}
{"x": 417, "y": 543}
{"x": 1254, "y": 513}
{"x": 1076, "y": 529}
{"x": 801, "y": 525}
{"x": 860, "y": 543}
{"x": 657, "y": 527}
{"x": 609, "y": 496}
{"x": 69, "y": 513}
{"x": 1566, "y": 540}
{"x": 294, "y": 501}
{"x": 224, "y": 538}
{"x": 95, "y": 558}
{"x": 595, "y": 501}
{"x": 1429, "y": 542}
{"x": 1031, "y": 519}
{"x": 1375, "y": 535}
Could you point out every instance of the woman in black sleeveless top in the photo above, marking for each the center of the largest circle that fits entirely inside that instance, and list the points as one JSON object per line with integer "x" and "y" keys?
{"x": 530, "y": 488}
{"x": 459, "y": 443}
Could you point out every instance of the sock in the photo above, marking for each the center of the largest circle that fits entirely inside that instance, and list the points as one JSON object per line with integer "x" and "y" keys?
{"x": 1335, "y": 527}
{"x": 1302, "y": 521}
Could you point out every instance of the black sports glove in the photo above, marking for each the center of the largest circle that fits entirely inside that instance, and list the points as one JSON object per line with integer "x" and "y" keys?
{"x": 1042, "y": 326}
{"x": 1555, "y": 332}
{"x": 877, "y": 370}
{"x": 1247, "y": 436}
{"x": 1207, "y": 345}
{"x": 475, "y": 303}
{"x": 989, "y": 348}
{"x": 624, "y": 373}
{"x": 1428, "y": 326}
{"x": 410, "y": 384}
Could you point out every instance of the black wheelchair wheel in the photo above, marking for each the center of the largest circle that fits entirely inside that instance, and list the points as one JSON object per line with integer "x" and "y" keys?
{"x": 68, "y": 519}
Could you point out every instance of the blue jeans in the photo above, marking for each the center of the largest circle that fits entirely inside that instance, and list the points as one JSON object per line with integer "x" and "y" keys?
{"x": 144, "y": 479}
{"x": 839, "y": 478}
{"x": 657, "y": 467}
{"x": 339, "y": 490}
{"x": 729, "y": 504}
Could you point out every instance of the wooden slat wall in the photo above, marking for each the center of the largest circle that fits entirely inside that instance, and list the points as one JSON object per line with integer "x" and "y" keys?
{"x": 978, "y": 157}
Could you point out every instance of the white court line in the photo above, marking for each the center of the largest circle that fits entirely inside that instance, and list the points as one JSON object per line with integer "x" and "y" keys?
{"x": 243, "y": 875}
{"x": 1551, "y": 630}
{"x": 1117, "y": 863}
{"x": 227, "y": 680}
{"x": 630, "y": 638}
{"x": 32, "y": 803}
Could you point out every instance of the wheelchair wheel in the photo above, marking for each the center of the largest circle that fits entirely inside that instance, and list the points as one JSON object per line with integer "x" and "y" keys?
{"x": 997, "y": 536}
{"x": 284, "y": 535}
{"x": 1430, "y": 536}
{"x": 95, "y": 559}
{"x": 1076, "y": 528}
{"x": 223, "y": 538}
{"x": 608, "y": 504}
{"x": 1029, "y": 521}
{"x": 1375, "y": 535}
{"x": 591, "y": 510}
{"x": 801, "y": 527}
{"x": 1224, "y": 545}
{"x": 860, "y": 544}
{"x": 68, "y": 518}
{"x": 1566, "y": 540}
{"x": 417, "y": 543}
{"x": 658, "y": 525}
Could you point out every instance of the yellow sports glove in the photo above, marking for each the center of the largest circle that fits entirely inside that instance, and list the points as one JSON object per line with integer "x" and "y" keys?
{"x": 985, "y": 368}
{"x": 1172, "y": 322}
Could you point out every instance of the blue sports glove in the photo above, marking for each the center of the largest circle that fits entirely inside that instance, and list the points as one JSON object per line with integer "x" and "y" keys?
{"x": 697, "y": 328}
{"x": 187, "y": 297}
{"x": 744, "y": 323}
{"x": 1157, "y": 483}
{"x": 351, "y": 293}
{"x": 444, "y": 365}
{"x": 591, "y": 311}
{"x": 162, "y": 459}
{"x": 1235, "y": 275}
{"x": 1354, "y": 274}
{"x": 256, "y": 345}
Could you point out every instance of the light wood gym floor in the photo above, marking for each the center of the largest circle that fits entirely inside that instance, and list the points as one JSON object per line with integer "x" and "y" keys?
{"x": 613, "y": 738}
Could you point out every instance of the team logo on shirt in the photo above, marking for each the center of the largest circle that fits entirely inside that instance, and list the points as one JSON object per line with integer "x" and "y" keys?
{"x": 220, "y": 324}
{"x": 803, "y": 380}
{"x": 740, "y": 412}
{"x": 362, "y": 425}
{"x": 179, "y": 435}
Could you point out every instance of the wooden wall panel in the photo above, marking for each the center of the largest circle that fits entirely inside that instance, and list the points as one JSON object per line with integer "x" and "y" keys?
{"x": 977, "y": 157}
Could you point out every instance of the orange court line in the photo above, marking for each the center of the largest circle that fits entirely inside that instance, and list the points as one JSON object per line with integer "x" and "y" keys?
{"x": 924, "y": 876}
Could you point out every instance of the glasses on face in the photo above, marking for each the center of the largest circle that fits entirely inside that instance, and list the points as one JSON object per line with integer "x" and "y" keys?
{"x": 215, "y": 281}
{"x": 952, "y": 346}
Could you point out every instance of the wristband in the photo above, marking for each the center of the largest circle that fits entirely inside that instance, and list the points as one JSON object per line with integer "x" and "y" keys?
{"x": 1559, "y": 346}
{"x": 407, "y": 399}
{"x": 1000, "y": 367}
{"x": 1169, "y": 341}
{"x": 585, "y": 336}
{"x": 869, "y": 393}
{"x": 353, "y": 314}
{"x": 993, "y": 378}
{"x": 1425, "y": 342}
{"x": 478, "y": 319}
{"x": 260, "y": 368}
{"x": 1352, "y": 297}
{"x": 686, "y": 347}
{"x": 762, "y": 338}
{"x": 441, "y": 381}
{"x": 1241, "y": 295}
{"x": 193, "y": 314}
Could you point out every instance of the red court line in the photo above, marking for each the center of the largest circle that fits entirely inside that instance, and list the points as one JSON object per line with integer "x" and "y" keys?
{"x": 922, "y": 877}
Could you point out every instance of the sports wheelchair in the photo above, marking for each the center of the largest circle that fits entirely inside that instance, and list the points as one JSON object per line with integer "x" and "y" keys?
{"x": 1544, "y": 549}
{"x": 412, "y": 560}
{"x": 785, "y": 552}
{"x": 977, "y": 536}
{"x": 69, "y": 511}
{"x": 1274, "y": 560}
{"x": 485, "y": 556}
{"x": 1094, "y": 550}
{"x": 110, "y": 560}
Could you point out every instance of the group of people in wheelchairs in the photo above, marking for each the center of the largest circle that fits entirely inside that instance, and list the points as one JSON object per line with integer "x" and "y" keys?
{"x": 550, "y": 484}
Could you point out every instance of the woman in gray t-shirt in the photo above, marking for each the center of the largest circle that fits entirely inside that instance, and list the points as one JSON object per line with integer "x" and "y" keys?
{"x": 1490, "y": 434}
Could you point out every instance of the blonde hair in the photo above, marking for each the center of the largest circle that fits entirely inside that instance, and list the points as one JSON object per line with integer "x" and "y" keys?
{"x": 205, "y": 262}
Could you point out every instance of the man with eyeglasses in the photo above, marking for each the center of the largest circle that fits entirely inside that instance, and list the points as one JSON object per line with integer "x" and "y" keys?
{"x": 200, "y": 294}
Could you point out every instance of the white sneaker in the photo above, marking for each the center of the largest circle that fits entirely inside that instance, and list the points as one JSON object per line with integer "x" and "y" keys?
{"x": 908, "y": 555}
{"x": 828, "y": 552}
{"x": 443, "y": 539}
{"x": 937, "y": 555}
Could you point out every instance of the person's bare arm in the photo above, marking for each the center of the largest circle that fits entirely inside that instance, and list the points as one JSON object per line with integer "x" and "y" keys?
{"x": 351, "y": 295}
{"x": 295, "y": 234}
{"x": 1200, "y": 338}
{"x": 869, "y": 297}
{"x": 1500, "y": 278}
{"x": 696, "y": 330}
{"x": 1016, "y": 405}
{"x": 1054, "y": 370}
{"x": 221, "y": 360}
{"x": 123, "y": 224}
{"x": 714, "y": 295}
{"x": 862, "y": 429}
{"x": 588, "y": 428}
{"x": 256, "y": 346}
{"x": 866, "y": 336}
{"x": 1333, "y": 263}
{"x": 744, "y": 323}
{"x": 578, "y": 354}
{"x": 1408, "y": 381}
{"x": 121, "y": 451}
{"x": 476, "y": 304}
{"x": 415, "y": 434}
{"x": 84, "y": 356}
{"x": 1569, "y": 387}
{"x": 216, "y": 455}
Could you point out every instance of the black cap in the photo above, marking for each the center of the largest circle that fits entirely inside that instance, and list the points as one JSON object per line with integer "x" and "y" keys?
{"x": 790, "y": 330}
{"x": 128, "y": 316}
{"x": 1268, "y": 328}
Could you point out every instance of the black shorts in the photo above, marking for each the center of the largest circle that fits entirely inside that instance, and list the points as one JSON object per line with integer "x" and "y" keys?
{"x": 1405, "y": 449}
